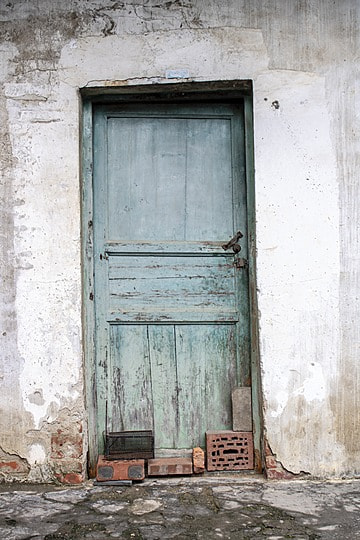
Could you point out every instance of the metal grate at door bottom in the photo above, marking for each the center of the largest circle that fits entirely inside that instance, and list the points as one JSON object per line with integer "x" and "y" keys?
{"x": 129, "y": 445}
{"x": 133, "y": 444}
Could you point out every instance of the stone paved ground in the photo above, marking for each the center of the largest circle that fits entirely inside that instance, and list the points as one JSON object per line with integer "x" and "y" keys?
{"x": 206, "y": 508}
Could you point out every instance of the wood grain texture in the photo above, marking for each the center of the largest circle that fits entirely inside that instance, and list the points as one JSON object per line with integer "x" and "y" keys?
{"x": 176, "y": 379}
{"x": 169, "y": 178}
{"x": 171, "y": 285}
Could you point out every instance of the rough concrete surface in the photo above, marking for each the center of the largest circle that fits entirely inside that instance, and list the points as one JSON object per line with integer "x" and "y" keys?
{"x": 228, "y": 508}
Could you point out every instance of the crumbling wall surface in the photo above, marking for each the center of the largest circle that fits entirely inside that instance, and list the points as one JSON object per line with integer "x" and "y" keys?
{"x": 41, "y": 399}
{"x": 302, "y": 57}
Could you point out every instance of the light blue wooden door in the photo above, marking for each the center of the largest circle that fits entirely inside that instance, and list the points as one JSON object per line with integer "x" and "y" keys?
{"x": 172, "y": 330}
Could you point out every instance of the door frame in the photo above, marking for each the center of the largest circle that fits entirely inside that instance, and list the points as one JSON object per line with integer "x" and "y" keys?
{"x": 193, "y": 91}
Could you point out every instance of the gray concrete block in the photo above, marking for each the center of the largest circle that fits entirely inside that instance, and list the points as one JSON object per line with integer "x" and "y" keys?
{"x": 241, "y": 408}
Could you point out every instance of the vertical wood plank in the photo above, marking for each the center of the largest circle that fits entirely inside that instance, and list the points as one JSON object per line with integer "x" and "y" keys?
{"x": 164, "y": 385}
{"x": 88, "y": 282}
{"x": 101, "y": 327}
{"x": 146, "y": 171}
{"x": 206, "y": 365}
{"x": 221, "y": 375}
{"x": 209, "y": 211}
{"x": 129, "y": 384}
{"x": 190, "y": 359}
{"x": 257, "y": 409}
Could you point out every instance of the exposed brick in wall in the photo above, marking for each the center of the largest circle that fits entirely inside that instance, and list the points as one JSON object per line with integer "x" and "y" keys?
{"x": 70, "y": 478}
{"x": 12, "y": 467}
{"x": 66, "y": 445}
{"x": 274, "y": 470}
{"x": 66, "y": 455}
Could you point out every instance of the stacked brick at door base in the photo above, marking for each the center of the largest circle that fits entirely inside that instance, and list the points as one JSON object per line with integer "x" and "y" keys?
{"x": 233, "y": 450}
{"x": 230, "y": 450}
{"x": 225, "y": 450}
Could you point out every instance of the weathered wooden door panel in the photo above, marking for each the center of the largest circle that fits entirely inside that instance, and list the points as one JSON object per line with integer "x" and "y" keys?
{"x": 160, "y": 173}
{"x": 159, "y": 287}
{"x": 178, "y": 378}
{"x": 171, "y": 306}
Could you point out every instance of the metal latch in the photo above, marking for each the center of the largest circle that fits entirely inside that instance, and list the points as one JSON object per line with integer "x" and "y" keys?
{"x": 233, "y": 242}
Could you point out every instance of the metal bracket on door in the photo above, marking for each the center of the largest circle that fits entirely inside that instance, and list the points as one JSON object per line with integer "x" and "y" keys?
{"x": 241, "y": 263}
{"x": 233, "y": 242}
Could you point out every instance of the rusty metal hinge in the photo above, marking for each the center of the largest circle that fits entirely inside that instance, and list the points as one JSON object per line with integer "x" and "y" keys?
{"x": 241, "y": 263}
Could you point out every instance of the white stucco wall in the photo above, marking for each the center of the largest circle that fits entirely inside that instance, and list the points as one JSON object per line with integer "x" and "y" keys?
{"x": 302, "y": 58}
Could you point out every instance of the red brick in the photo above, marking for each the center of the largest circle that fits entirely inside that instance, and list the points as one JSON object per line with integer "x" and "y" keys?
{"x": 170, "y": 466}
{"x": 130, "y": 469}
{"x": 271, "y": 462}
{"x": 279, "y": 474}
{"x": 70, "y": 478}
{"x": 65, "y": 445}
{"x": 229, "y": 450}
{"x": 268, "y": 451}
{"x": 273, "y": 468}
{"x": 15, "y": 465}
{"x": 73, "y": 478}
{"x": 64, "y": 466}
{"x": 198, "y": 460}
